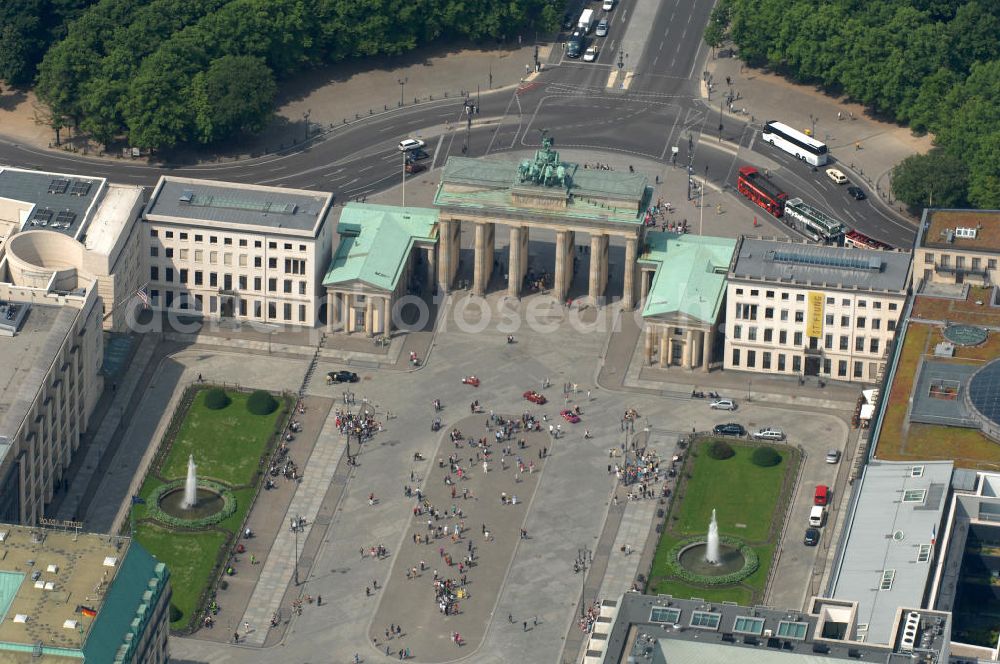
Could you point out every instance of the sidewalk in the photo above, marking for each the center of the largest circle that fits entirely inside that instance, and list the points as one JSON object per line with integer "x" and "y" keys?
{"x": 761, "y": 95}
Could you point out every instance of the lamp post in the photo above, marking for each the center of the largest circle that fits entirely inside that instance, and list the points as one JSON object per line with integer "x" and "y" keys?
{"x": 296, "y": 527}
{"x": 812, "y": 121}
{"x": 402, "y": 84}
{"x": 584, "y": 560}
{"x": 405, "y": 154}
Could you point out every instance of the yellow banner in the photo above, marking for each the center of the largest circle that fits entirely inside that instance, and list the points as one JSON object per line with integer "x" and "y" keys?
{"x": 814, "y": 315}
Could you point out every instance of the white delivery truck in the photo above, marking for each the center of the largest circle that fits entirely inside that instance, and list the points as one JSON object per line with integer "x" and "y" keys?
{"x": 586, "y": 22}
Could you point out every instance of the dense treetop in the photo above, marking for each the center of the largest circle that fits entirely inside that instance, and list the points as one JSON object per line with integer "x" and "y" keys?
{"x": 931, "y": 64}
{"x": 165, "y": 72}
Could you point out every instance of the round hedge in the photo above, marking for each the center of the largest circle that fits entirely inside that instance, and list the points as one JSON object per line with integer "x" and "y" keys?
{"x": 720, "y": 450}
{"x": 765, "y": 457}
{"x": 261, "y": 403}
{"x": 153, "y": 505}
{"x": 216, "y": 398}
{"x": 750, "y": 562}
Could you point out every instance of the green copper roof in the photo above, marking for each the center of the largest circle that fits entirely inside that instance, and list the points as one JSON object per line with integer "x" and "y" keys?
{"x": 375, "y": 242}
{"x": 690, "y": 275}
{"x": 127, "y": 608}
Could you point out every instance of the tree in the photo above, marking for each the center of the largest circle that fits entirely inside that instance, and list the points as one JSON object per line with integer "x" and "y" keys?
{"x": 935, "y": 179}
{"x": 765, "y": 457}
{"x": 216, "y": 398}
{"x": 234, "y": 95}
{"x": 720, "y": 450}
{"x": 261, "y": 402}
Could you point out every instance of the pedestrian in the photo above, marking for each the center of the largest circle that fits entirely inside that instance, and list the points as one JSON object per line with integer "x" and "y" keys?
{"x": 525, "y": 625}
{"x": 510, "y": 618}
{"x": 319, "y": 600}
{"x": 236, "y": 637}
{"x": 246, "y": 626}
{"x": 535, "y": 622}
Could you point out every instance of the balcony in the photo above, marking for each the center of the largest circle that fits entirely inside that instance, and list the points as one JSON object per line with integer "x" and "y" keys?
{"x": 961, "y": 271}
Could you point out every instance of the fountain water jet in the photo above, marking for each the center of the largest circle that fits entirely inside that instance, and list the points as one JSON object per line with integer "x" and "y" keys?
{"x": 712, "y": 555}
{"x": 191, "y": 487}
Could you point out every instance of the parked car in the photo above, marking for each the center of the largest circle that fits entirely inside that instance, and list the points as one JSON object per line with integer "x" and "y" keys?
{"x": 769, "y": 433}
{"x": 833, "y": 456}
{"x": 602, "y": 28}
{"x": 608, "y": 5}
{"x": 408, "y": 144}
{"x": 822, "y": 495}
{"x": 729, "y": 429}
{"x": 341, "y": 377}
{"x": 414, "y": 167}
{"x": 570, "y": 416}
{"x": 417, "y": 154}
{"x": 857, "y": 193}
{"x": 812, "y": 537}
{"x": 590, "y": 54}
{"x": 535, "y": 397}
{"x": 723, "y": 404}
{"x": 836, "y": 175}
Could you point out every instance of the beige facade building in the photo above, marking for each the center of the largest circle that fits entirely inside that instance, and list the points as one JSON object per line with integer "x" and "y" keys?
{"x": 804, "y": 310}
{"x": 958, "y": 246}
{"x": 246, "y": 252}
{"x": 73, "y": 597}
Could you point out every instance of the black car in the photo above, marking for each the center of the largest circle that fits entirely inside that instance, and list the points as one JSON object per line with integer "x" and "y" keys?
{"x": 857, "y": 192}
{"x": 730, "y": 429}
{"x": 811, "y": 538}
{"x": 568, "y": 20}
{"x": 341, "y": 377}
{"x": 417, "y": 155}
{"x": 576, "y": 45}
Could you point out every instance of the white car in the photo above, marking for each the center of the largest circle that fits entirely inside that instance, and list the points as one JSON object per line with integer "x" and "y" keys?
{"x": 723, "y": 404}
{"x": 833, "y": 456}
{"x": 769, "y": 433}
{"x": 590, "y": 54}
{"x": 836, "y": 175}
{"x": 408, "y": 144}
{"x": 608, "y": 5}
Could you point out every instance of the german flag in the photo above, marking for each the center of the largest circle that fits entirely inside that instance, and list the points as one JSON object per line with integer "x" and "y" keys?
{"x": 86, "y": 610}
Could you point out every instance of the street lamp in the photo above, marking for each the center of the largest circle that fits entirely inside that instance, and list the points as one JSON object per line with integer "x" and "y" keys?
{"x": 296, "y": 527}
{"x": 812, "y": 120}
{"x": 584, "y": 561}
{"x": 402, "y": 84}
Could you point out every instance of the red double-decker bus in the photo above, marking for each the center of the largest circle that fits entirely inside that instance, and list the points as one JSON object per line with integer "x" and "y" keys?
{"x": 763, "y": 192}
{"x": 862, "y": 241}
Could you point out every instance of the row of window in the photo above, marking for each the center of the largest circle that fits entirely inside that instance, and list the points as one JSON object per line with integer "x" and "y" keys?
{"x": 226, "y": 241}
{"x": 240, "y": 306}
{"x": 766, "y": 363}
{"x": 292, "y": 265}
{"x": 874, "y": 344}
{"x": 799, "y": 297}
{"x": 991, "y": 263}
{"x": 831, "y": 301}
{"x": 288, "y": 285}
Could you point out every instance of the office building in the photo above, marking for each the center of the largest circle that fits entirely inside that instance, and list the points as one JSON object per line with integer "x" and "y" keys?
{"x": 806, "y": 310}
{"x": 958, "y": 246}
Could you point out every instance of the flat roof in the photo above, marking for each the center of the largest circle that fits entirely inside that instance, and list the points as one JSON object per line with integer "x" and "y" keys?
{"x": 111, "y": 217}
{"x": 899, "y": 508}
{"x": 25, "y": 359}
{"x": 938, "y": 230}
{"x": 690, "y": 274}
{"x": 62, "y": 202}
{"x": 72, "y": 569}
{"x": 594, "y": 196}
{"x": 801, "y": 264}
{"x": 375, "y": 242}
{"x": 238, "y": 206}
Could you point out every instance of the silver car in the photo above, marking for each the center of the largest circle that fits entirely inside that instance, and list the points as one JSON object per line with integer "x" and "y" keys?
{"x": 833, "y": 456}
{"x": 769, "y": 433}
{"x": 723, "y": 404}
{"x": 602, "y": 28}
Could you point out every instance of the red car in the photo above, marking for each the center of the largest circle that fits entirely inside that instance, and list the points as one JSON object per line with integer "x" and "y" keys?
{"x": 570, "y": 416}
{"x": 470, "y": 380}
{"x": 535, "y": 397}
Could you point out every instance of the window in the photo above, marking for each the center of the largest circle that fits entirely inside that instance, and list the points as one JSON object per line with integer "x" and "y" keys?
{"x": 928, "y": 259}
{"x": 844, "y": 342}
{"x": 153, "y": 232}
{"x": 256, "y": 283}
{"x": 257, "y": 244}
{"x": 748, "y": 625}
{"x": 258, "y": 261}
{"x": 829, "y": 319}
{"x": 845, "y": 321}
{"x": 662, "y": 614}
{"x": 302, "y": 247}
{"x": 781, "y": 361}
{"x": 859, "y": 368}
{"x": 765, "y": 362}
{"x": 183, "y": 254}
{"x": 243, "y": 260}
{"x": 782, "y": 337}
{"x": 154, "y": 251}
{"x": 287, "y": 311}
{"x": 168, "y": 275}
{"x": 828, "y": 342}
{"x": 873, "y": 346}
{"x": 784, "y": 296}
{"x": 859, "y": 344}
{"x": 792, "y": 630}
{"x": 891, "y": 326}
{"x": 923, "y": 553}
{"x": 842, "y": 368}
{"x": 976, "y": 263}
{"x": 751, "y": 358}
{"x": 199, "y": 238}
{"x": 705, "y": 619}
{"x": 800, "y": 297}
{"x": 888, "y": 576}
{"x": 945, "y": 260}
{"x": 288, "y": 286}
{"x": 199, "y": 255}
{"x": 227, "y": 282}
{"x": 183, "y": 236}
{"x": 302, "y": 288}
{"x": 768, "y": 334}
{"x": 960, "y": 262}
{"x": 198, "y": 280}
{"x": 272, "y": 263}
{"x": 302, "y": 313}
{"x": 751, "y": 333}
{"x": 227, "y": 241}
{"x": 227, "y": 259}
{"x": 861, "y": 322}
{"x": 991, "y": 263}
{"x": 736, "y": 357}
{"x": 154, "y": 295}
{"x": 242, "y": 279}
{"x": 739, "y": 291}
{"x": 183, "y": 276}
{"x": 288, "y": 246}
{"x": 769, "y": 313}
{"x": 213, "y": 279}
{"x": 272, "y": 245}
{"x": 272, "y": 310}
{"x": 213, "y": 257}
{"x": 862, "y": 303}
{"x": 754, "y": 292}
{"x": 243, "y": 243}
{"x": 846, "y": 302}
{"x": 796, "y": 363}
{"x": 831, "y": 301}
{"x": 154, "y": 273}
{"x": 876, "y": 323}
{"x": 877, "y": 304}
{"x": 213, "y": 239}
{"x": 800, "y": 316}
{"x": 892, "y": 306}
{"x": 917, "y": 471}
{"x": 827, "y": 366}
{"x": 769, "y": 294}
{"x": 914, "y": 495}
{"x": 272, "y": 285}
{"x": 784, "y": 314}
{"x": 169, "y": 252}
{"x": 169, "y": 234}
{"x": 797, "y": 339}
{"x": 737, "y": 331}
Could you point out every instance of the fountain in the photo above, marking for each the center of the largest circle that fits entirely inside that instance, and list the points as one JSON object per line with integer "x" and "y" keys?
{"x": 191, "y": 488}
{"x": 712, "y": 555}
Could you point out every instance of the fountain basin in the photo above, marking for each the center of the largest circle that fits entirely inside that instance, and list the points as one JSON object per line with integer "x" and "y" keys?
{"x": 737, "y": 561}
{"x": 207, "y": 503}
{"x": 692, "y": 558}
{"x": 214, "y": 502}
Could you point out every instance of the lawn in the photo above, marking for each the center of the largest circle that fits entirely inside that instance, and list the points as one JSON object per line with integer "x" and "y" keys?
{"x": 749, "y": 503}
{"x": 227, "y": 444}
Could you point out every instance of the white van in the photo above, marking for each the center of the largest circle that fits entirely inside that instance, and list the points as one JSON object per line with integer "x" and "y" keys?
{"x": 586, "y": 22}
{"x": 816, "y": 516}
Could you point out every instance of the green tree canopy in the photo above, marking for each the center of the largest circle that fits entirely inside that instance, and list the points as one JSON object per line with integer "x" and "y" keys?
{"x": 234, "y": 95}
{"x": 934, "y": 179}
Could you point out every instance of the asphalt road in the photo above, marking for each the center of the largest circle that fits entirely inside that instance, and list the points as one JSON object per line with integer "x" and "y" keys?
{"x": 660, "y": 110}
